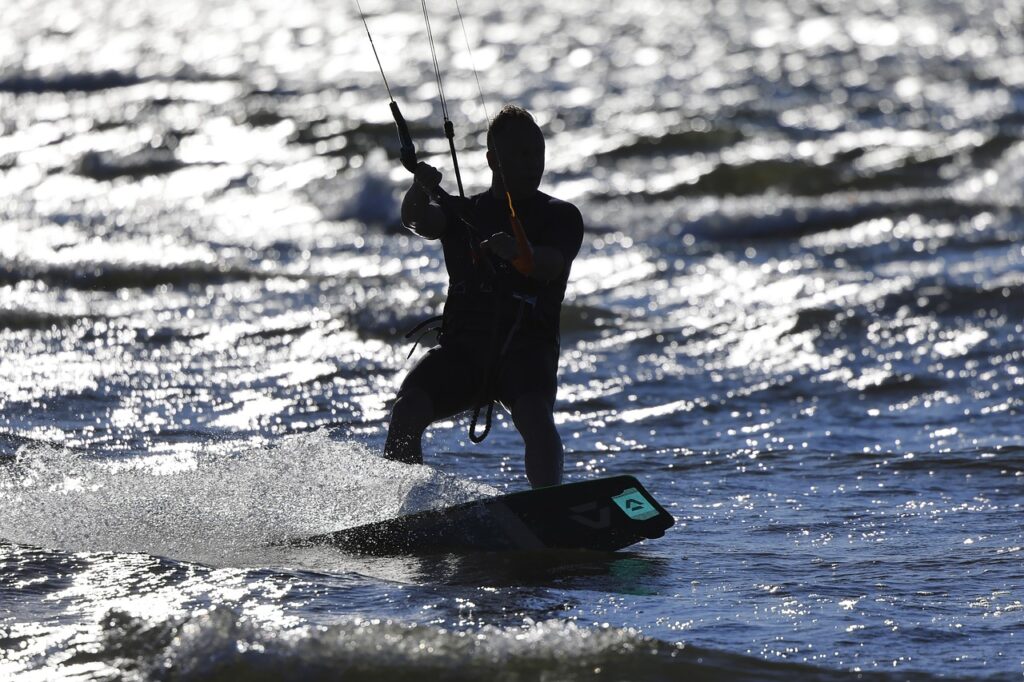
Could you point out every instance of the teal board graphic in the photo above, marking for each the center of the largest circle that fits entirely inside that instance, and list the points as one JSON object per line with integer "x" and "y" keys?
{"x": 636, "y": 506}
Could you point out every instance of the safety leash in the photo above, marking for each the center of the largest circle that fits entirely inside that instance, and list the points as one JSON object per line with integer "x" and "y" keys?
{"x": 486, "y": 395}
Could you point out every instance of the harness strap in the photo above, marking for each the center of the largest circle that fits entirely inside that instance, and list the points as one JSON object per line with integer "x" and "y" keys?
{"x": 485, "y": 396}
{"x": 426, "y": 326}
{"x": 524, "y": 260}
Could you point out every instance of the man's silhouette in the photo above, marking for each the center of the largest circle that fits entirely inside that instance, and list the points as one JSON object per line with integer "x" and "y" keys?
{"x": 500, "y": 332}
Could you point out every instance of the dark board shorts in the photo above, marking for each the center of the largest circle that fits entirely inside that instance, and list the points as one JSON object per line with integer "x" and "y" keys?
{"x": 452, "y": 374}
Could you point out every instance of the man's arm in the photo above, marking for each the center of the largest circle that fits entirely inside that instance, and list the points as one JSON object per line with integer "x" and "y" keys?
{"x": 419, "y": 213}
{"x": 549, "y": 262}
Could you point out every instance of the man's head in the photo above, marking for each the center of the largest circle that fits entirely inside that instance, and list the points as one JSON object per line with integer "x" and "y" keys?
{"x": 515, "y": 151}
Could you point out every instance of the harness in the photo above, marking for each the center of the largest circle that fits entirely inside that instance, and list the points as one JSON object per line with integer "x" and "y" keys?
{"x": 485, "y": 396}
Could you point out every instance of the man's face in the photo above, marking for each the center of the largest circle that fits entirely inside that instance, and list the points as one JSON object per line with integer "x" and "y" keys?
{"x": 521, "y": 155}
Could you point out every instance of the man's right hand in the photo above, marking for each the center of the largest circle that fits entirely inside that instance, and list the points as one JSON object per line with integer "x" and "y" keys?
{"x": 427, "y": 177}
{"x": 419, "y": 214}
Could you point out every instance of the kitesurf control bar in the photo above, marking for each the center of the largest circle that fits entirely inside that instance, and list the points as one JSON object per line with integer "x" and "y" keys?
{"x": 408, "y": 149}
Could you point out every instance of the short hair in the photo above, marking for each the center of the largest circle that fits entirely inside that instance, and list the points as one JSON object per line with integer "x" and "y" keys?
{"x": 513, "y": 116}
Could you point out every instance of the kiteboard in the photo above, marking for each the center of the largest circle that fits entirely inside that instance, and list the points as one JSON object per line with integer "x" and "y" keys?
{"x": 604, "y": 514}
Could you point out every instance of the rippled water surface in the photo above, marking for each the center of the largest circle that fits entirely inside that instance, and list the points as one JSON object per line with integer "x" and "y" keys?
{"x": 797, "y": 317}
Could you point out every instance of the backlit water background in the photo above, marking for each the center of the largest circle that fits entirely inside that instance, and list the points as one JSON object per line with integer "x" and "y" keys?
{"x": 797, "y": 317}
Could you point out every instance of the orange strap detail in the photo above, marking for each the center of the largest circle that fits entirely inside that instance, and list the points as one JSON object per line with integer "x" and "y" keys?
{"x": 523, "y": 262}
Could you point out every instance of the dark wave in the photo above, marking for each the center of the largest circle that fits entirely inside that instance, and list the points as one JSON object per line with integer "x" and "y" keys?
{"x": 794, "y": 217}
{"x": 579, "y": 318}
{"x": 69, "y": 82}
{"x": 931, "y": 296}
{"x": 261, "y": 110}
{"x": 946, "y": 298}
{"x": 819, "y": 319}
{"x": 111, "y": 277}
{"x": 799, "y": 177}
{"x": 993, "y": 149}
{"x": 19, "y": 320}
{"x": 680, "y": 142}
{"x": 10, "y": 443}
{"x": 903, "y": 382}
{"x": 220, "y": 645}
{"x": 807, "y": 179}
{"x": 136, "y": 165}
{"x": 330, "y": 138}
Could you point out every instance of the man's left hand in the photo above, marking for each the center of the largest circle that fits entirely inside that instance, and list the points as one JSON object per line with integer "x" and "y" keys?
{"x": 502, "y": 245}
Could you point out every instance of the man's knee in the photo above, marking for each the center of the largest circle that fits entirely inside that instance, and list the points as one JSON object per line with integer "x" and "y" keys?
{"x": 535, "y": 421}
{"x": 533, "y": 410}
{"x": 413, "y": 410}
{"x": 410, "y": 416}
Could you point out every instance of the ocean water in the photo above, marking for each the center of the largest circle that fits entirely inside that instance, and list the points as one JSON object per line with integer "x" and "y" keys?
{"x": 797, "y": 317}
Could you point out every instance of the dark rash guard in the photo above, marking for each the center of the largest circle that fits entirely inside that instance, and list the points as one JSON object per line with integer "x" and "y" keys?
{"x": 474, "y": 290}
{"x": 484, "y": 304}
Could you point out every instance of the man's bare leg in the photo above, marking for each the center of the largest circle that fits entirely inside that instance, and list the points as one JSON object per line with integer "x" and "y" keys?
{"x": 532, "y": 415}
{"x": 412, "y": 413}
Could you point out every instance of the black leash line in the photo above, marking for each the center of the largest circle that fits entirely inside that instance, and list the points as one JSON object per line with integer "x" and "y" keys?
{"x": 374, "y": 47}
{"x": 407, "y": 148}
{"x": 472, "y": 63}
{"x": 449, "y": 128}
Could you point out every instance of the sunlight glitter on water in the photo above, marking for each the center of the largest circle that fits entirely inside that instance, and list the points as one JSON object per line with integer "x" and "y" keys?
{"x": 796, "y": 316}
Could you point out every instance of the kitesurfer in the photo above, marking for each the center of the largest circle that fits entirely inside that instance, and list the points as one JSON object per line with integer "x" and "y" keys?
{"x": 499, "y": 338}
